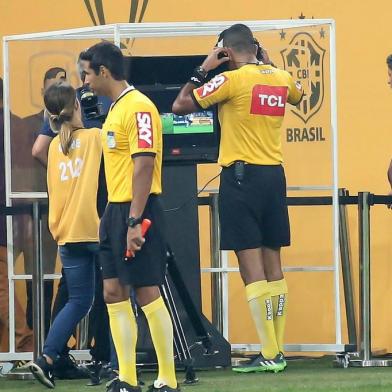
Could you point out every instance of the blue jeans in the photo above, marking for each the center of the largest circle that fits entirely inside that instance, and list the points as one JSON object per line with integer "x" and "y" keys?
{"x": 79, "y": 268}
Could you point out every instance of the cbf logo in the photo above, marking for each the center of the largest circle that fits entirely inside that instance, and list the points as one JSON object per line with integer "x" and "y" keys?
{"x": 304, "y": 60}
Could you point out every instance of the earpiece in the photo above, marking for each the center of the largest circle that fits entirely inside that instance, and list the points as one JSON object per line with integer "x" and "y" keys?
{"x": 222, "y": 54}
{"x": 219, "y": 43}
{"x": 259, "y": 53}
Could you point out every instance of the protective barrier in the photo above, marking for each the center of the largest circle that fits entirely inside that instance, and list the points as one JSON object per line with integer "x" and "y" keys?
{"x": 301, "y": 54}
{"x": 361, "y": 357}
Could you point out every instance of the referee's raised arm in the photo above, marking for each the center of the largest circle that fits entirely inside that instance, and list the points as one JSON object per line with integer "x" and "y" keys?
{"x": 185, "y": 102}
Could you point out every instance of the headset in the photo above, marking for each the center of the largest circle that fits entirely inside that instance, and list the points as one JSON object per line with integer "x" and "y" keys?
{"x": 260, "y": 50}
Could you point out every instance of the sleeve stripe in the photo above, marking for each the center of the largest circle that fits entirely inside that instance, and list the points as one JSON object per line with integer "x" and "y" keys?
{"x": 144, "y": 153}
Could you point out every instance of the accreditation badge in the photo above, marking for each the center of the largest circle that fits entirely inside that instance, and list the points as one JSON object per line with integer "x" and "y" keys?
{"x": 111, "y": 140}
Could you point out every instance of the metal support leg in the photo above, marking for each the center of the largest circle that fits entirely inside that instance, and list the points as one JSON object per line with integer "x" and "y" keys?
{"x": 82, "y": 333}
{"x": 38, "y": 296}
{"x": 364, "y": 283}
{"x": 216, "y": 262}
{"x": 180, "y": 342}
{"x": 345, "y": 254}
{"x": 38, "y": 284}
{"x": 364, "y": 287}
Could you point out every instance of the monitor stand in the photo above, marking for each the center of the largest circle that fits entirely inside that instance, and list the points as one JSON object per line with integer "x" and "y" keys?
{"x": 197, "y": 342}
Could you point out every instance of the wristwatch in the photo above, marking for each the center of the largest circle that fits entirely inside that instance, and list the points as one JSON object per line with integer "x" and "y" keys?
{"x": 201, "y": 71}
{"x": 199, "y": 76}
{"x": 132, "y": 221}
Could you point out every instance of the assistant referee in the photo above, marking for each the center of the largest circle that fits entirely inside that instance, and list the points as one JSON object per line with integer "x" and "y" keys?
{"x": 132, "y": 148}
{"x": 251, "y": 100}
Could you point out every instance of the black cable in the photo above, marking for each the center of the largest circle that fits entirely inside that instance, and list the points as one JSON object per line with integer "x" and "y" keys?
{"x": 197, "y": 194}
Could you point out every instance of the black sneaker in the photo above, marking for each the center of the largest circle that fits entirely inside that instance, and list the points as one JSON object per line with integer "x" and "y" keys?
{"x": 66, "y": 368}
{"x": 43, "y": 372}
{"x": 260, "y": 364}
{"x": 94, "y": 370}
{"x": 158, "y": 386}
{"x": 106, "y": 371}
{"x": 112, "y": 383}
{"x": 112, "y": 375}
{"x": 121, "y": 386}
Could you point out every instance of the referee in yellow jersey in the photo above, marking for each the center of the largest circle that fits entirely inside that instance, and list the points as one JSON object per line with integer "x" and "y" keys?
{"x": 132, "y": 147}
{"x": 74, "y": 160}
{"x": 251, "y": 100}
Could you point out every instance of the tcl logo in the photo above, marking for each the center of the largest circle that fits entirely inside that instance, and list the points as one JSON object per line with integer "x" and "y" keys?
{"x": 271, "y": 100}
{"x": 268, "y": 100}
{"x": 144, "y": 129}
{"x": 211, "y": 86}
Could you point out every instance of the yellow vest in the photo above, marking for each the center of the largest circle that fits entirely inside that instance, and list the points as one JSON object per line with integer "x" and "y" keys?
{"x": 72, "y": 187}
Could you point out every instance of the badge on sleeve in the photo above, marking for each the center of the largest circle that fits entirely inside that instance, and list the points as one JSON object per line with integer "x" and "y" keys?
{"x": 111, "y": 140}
{"x": 144, "y": 129}
{"x": 211, "y": 86}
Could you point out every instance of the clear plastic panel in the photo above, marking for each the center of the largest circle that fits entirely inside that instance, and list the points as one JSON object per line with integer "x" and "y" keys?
{"x": 28, "y": 63}
{"x": 306, "y": 131}
{"x": 306, "y": 140}
{"x": 23, "y": 250}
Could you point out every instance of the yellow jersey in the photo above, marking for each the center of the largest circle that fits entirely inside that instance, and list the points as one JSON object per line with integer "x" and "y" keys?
{"x": 251, "y": 106}
{"x": 133, "y": 127}
{"x": 73, "y": 186}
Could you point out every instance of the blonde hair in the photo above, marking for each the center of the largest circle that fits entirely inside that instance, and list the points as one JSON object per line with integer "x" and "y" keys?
{"x": 59, "y": 101}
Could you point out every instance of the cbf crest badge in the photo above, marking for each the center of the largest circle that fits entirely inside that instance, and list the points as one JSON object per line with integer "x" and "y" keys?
{"x": 304, "y": 60}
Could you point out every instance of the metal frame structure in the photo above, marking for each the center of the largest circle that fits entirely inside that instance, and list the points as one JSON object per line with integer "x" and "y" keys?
{"x": 365, "y": 357}
{"x": 116, "y": 32}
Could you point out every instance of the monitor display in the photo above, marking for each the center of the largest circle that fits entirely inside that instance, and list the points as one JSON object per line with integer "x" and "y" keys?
{"x": 191, "y": 138}
{"x": 193, "y": 123}
{"x": 187, "y": 138}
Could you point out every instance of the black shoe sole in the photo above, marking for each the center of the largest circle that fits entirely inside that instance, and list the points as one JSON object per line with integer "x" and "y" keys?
{"x": 39, "y": 375}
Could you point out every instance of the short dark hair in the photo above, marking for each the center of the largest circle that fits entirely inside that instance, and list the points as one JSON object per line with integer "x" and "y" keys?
{"x": 389, "y": 62}
{"x": 238, "y": 37}
{"x": 106, "y": 54}
{"x": 53, "y": 73}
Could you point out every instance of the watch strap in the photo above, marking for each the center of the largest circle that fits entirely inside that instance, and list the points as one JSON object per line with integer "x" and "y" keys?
{"x": 132, "y": 221}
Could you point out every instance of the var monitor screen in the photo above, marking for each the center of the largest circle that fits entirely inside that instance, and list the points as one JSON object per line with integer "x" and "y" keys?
{"x": 191, "y": 137}
{"x": 193, "y": 123}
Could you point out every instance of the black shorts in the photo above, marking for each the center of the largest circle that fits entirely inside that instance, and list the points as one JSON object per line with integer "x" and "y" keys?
{"x": 148, "y": 267}
{"x": 253, "y": 213}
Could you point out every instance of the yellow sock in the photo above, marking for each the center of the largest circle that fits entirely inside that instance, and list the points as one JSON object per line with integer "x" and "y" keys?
{"x": 124, "y": 331}
{"x": 279, "y": 298}
{"x": 259, "y": 299}
{"x": 161, "y": 329}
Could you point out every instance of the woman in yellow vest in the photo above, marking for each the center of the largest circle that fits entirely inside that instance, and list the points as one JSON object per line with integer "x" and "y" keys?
{"x": 73, "y": 169}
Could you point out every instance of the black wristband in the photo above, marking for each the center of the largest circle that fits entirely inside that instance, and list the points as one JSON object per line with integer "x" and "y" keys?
{"x": 132, "y": 222}
{"x": 199, "y": 76}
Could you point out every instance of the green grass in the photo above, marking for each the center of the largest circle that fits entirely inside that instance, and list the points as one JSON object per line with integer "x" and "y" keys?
{"x": 193, "y": 129}
{"x": 169, "y": 128}
{"x": 301, "y": 375}
{"x": 167, "y": 124}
